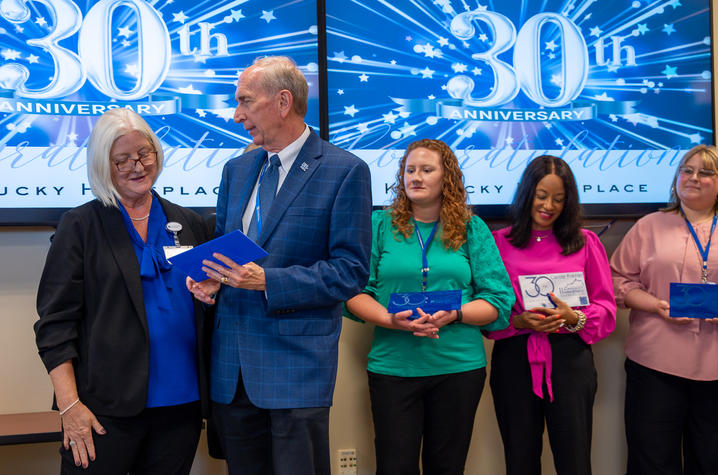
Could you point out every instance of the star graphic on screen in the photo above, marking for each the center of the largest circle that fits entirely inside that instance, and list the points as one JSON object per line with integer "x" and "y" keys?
{"x": 19, "y": 29}
{"x": 408, "y": 129}
{"x": 339, "y": 56}
{"x": 587, "y": 17}
{"x": 551, "y": 45}
{"x": 477, "y": 71}
{"x": 200, "y": 113}
{"x": 670, "y": 72}
{"x": 170, "y": 2}
{"x": 551, "y": 56}
{"x": 613, "y": 118}
{"x": 237, "y": 15}
{"x": 180, "y": 17}
{"x": 392, "y": 62}
{"x": 612, "y": 68}
{"x": 32, "y": 59}
{"x": 125, "y": 43}
{"x": 675, "y": 4}
{"x": 595, "y": 31}
{"x": 340, "y": 92}
{"x": 131, "y": 69}
{"x": 363, "y": 127}
{"x": 556, "y": 79}
{"x": 268, "y": 15}
{"x": 41, "y": 21}
{"x": 642, "y": 28}
{"x": 668, "y": 29}
{"x": 509, "y": 140}
{"x": 200, "y": 58}
{"x": 351, "y": 110}
{"x": 426, "y": 73}
{"x": 431, "y": 97}
{"x": 209, "y": 73}
{"x": 363, "y": 78}
{"x": 124, "y": 31}
{"x": 390, "y": 118}
{"x": 695, "y": 138}
{"x": 408, "y": 38}
{"x": 559, "y": 142}
{"x": 10, "y": 54}
{"x": 188, "y": 90}
{"x": 443, "y": 41}
{"x": 483, "y": 37}
{"x": 482, "y": 8}
{"x": 459, "y": 67}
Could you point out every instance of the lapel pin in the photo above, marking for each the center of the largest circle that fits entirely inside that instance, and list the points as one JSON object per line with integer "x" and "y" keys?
{"x": 304, "y": 166}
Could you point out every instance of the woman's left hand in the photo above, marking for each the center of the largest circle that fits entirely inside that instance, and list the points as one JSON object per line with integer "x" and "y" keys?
{"x": 562, "y": 309}
{"x": 442, "y": 317}
{"x": 249, "y": 276}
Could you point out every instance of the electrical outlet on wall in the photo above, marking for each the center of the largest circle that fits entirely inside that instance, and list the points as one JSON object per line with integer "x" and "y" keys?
{"x": 348, "y": 462}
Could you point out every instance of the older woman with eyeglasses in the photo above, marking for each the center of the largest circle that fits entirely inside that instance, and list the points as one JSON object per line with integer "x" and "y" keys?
{"x": 119, "y": 333}
{"x": 671, "y": 363}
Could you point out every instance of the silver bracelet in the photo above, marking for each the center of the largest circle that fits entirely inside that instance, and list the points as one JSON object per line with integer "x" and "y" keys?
{"x": 62, "y": 413}
{"x": 579, "y": 324}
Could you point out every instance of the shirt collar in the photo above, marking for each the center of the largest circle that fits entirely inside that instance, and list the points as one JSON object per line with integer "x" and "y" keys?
{"x": 289, "y": 153}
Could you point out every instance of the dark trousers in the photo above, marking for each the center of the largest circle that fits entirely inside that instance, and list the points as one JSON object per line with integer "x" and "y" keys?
{"x": 440, "y": 409}
{"x": 521, "y": 414}
{"x": 668, "y": 415}
{"x": 158, "y": 441}
{"x": 259, "y": 441}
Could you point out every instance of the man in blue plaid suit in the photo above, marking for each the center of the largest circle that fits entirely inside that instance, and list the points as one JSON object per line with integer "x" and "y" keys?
{"x": 277, "y": 324}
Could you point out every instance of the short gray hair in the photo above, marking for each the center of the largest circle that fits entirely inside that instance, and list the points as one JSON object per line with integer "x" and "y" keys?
{"x": 112, "y": 125}
{"x": 281, "y": 72}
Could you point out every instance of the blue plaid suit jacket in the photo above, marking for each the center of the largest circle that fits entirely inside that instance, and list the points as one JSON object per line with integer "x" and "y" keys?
{"x": 318, "y": 236}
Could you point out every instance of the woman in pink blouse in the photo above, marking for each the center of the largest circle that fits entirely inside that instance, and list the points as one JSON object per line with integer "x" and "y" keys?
{"x": 542, "y": 366}
{"x": 672, "y": 363}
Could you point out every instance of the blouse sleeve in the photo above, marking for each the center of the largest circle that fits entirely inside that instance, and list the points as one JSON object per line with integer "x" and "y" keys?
{"x": 378, "y": 219}
{"x": 60, "y": 295}
{"x": 601, "y": 312}
{"x": 626, "y": 265}
{"x": 488, "y": 274}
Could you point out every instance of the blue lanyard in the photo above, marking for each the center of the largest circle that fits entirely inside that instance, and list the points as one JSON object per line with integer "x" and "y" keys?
{"x": 703, "y": 252}
{"x": 257, "y": 206}
{"x": 424, "y": 250}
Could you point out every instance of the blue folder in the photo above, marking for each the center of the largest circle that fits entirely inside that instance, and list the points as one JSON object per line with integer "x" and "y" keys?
{"x": 693, "y": 300}
{"x": 429, "y": 302}
{"x": 234, "y": 245}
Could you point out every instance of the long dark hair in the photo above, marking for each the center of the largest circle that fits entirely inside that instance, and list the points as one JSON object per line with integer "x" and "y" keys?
{"x": 567, "y": 228}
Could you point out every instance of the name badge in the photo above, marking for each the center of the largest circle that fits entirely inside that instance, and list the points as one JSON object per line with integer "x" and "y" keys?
{"x": 171, "y": 251}
{"x": 568, "y": 286}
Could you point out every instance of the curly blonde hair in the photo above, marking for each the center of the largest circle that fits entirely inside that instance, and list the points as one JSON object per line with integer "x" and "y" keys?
{"x": 455, "y": 213}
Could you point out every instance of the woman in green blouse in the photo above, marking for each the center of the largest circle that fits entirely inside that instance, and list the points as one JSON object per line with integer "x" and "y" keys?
{"x": 426, "y": 375}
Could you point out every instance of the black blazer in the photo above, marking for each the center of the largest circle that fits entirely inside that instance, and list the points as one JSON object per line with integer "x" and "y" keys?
{"x": 92, "y": 310}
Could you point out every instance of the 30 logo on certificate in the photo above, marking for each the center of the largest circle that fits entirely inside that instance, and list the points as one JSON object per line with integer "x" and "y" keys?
{"x": 568, "y": 286}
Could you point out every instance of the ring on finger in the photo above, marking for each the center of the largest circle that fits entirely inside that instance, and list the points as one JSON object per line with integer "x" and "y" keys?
{"x": 224, "y": 279}
{"x": 73, "y": 443}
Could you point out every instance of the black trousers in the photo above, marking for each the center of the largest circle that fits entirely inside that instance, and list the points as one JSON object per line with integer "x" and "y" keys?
{"x": 258, "y": 441}
{"x": 668, "y": 415}
{"x": 439, "y": 409}
{"x": 521, "y": 414}
{"x": 158, "y": 441}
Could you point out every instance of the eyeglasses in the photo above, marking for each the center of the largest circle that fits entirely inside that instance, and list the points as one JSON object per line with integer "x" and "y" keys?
{"x": 702, "y": 173}
{"x": 145, "y": 157}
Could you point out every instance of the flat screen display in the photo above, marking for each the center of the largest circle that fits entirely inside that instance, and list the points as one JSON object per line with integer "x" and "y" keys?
{"x": 176, "y": 62}
{"x": 620, "y": 89}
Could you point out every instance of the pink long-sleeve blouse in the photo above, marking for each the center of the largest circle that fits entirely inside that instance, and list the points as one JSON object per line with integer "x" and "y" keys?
{"x": 658, "y": 250}
{"x": 544, "y": 256}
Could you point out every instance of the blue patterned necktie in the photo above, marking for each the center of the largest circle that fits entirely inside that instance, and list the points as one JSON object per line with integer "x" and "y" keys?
{"x": 267, "y": 191}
